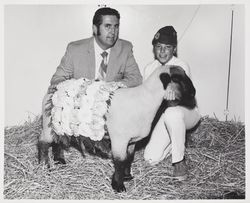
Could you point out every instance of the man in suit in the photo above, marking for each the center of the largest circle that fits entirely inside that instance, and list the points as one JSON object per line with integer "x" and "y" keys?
{"x": 83, "y": 58}
{"x": 103, "y": 57}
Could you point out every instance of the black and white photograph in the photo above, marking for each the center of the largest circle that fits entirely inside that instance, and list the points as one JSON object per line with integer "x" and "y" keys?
{"x": 116, "y": 100}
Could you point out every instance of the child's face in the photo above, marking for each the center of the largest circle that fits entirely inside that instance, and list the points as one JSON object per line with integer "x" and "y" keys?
{"x": 163, "y": 52}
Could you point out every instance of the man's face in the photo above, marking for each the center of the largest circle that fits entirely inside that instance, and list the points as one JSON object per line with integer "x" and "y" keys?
{"x": 164, "y": 52}
{"x": 107, "y": 33}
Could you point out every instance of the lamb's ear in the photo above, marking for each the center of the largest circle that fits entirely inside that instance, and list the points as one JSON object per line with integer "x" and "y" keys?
{"x": 177, "y": 70}
{"x": 165, "y": 79}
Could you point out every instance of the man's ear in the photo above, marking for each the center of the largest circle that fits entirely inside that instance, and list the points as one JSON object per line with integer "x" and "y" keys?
{"x": 165, "y": 79}
{"x": 94, "y": 28}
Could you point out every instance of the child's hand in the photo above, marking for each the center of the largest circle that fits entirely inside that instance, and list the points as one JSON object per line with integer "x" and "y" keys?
{"x": 170, "y": 93}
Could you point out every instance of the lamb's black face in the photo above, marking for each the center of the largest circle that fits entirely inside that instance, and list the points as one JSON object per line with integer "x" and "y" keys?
{"x": 177, "y": 70}
{"x": 166, "y": 76}
{"x": 165, "y": 79}
{"x": 181, "y": 85}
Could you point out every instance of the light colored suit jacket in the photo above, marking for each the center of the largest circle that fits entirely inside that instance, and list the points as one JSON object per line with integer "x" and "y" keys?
{"x": 79, "y": 61}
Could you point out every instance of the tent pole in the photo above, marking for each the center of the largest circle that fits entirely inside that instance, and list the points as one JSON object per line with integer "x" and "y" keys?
{"x": 229, "y": 67}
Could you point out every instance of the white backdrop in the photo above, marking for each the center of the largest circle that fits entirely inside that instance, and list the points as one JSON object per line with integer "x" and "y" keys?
{"x": 36, "y": 36}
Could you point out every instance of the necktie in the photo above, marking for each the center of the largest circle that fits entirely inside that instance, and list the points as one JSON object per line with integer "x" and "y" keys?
{"x": 104, "y": 64}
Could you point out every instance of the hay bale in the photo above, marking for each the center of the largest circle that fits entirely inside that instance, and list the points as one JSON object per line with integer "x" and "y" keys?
{"x": 215, "y": 156}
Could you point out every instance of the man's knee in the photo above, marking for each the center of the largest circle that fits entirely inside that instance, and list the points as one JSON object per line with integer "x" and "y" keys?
{"x": 46, "y": 135}
{"x": 46, "y": 101}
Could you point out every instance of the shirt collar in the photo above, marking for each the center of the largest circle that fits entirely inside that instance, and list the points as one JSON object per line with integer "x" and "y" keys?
{"x": 98, "y": 49}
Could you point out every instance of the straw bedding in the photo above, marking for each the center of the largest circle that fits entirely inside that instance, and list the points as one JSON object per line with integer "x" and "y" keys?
{"x": 215, "y": 156}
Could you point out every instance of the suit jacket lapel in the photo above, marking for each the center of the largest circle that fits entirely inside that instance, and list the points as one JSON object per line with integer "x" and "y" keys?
{"x": 91, "y": 58}
{"x": 112, "y": 62}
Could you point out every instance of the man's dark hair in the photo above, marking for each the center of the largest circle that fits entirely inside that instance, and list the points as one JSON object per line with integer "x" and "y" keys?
{"x": 97, "y": 19}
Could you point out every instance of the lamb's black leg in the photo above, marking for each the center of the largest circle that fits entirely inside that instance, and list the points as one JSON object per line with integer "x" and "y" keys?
{"x": 118, "y": 176}
{"x": 58, "y": 153}
{"x": 78, "y": 144}
{"x": 119, "y": 151}
{"x": 82, "y": 147}
{"x": 130, "y": 158}
{"x": 87, "y": 145}
{"x": 103, "y": 148}
{"x": 43, "y": 152}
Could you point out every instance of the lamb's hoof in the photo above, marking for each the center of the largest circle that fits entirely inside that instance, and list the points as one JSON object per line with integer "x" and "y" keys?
{"x": 118, "y": 187}
{"x": 128, "y": 177}
{"x": 60, "y": 161}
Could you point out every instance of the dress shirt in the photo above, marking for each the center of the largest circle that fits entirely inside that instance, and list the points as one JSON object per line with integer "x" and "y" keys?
{"x": 98, "y": 58}
{"x": 173, "y": 61}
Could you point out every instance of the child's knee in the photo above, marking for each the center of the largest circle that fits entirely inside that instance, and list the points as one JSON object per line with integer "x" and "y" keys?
{"x": 173, "y": 114}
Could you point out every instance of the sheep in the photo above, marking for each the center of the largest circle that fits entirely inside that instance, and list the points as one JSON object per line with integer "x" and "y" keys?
{"x": 129, "y": 119}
